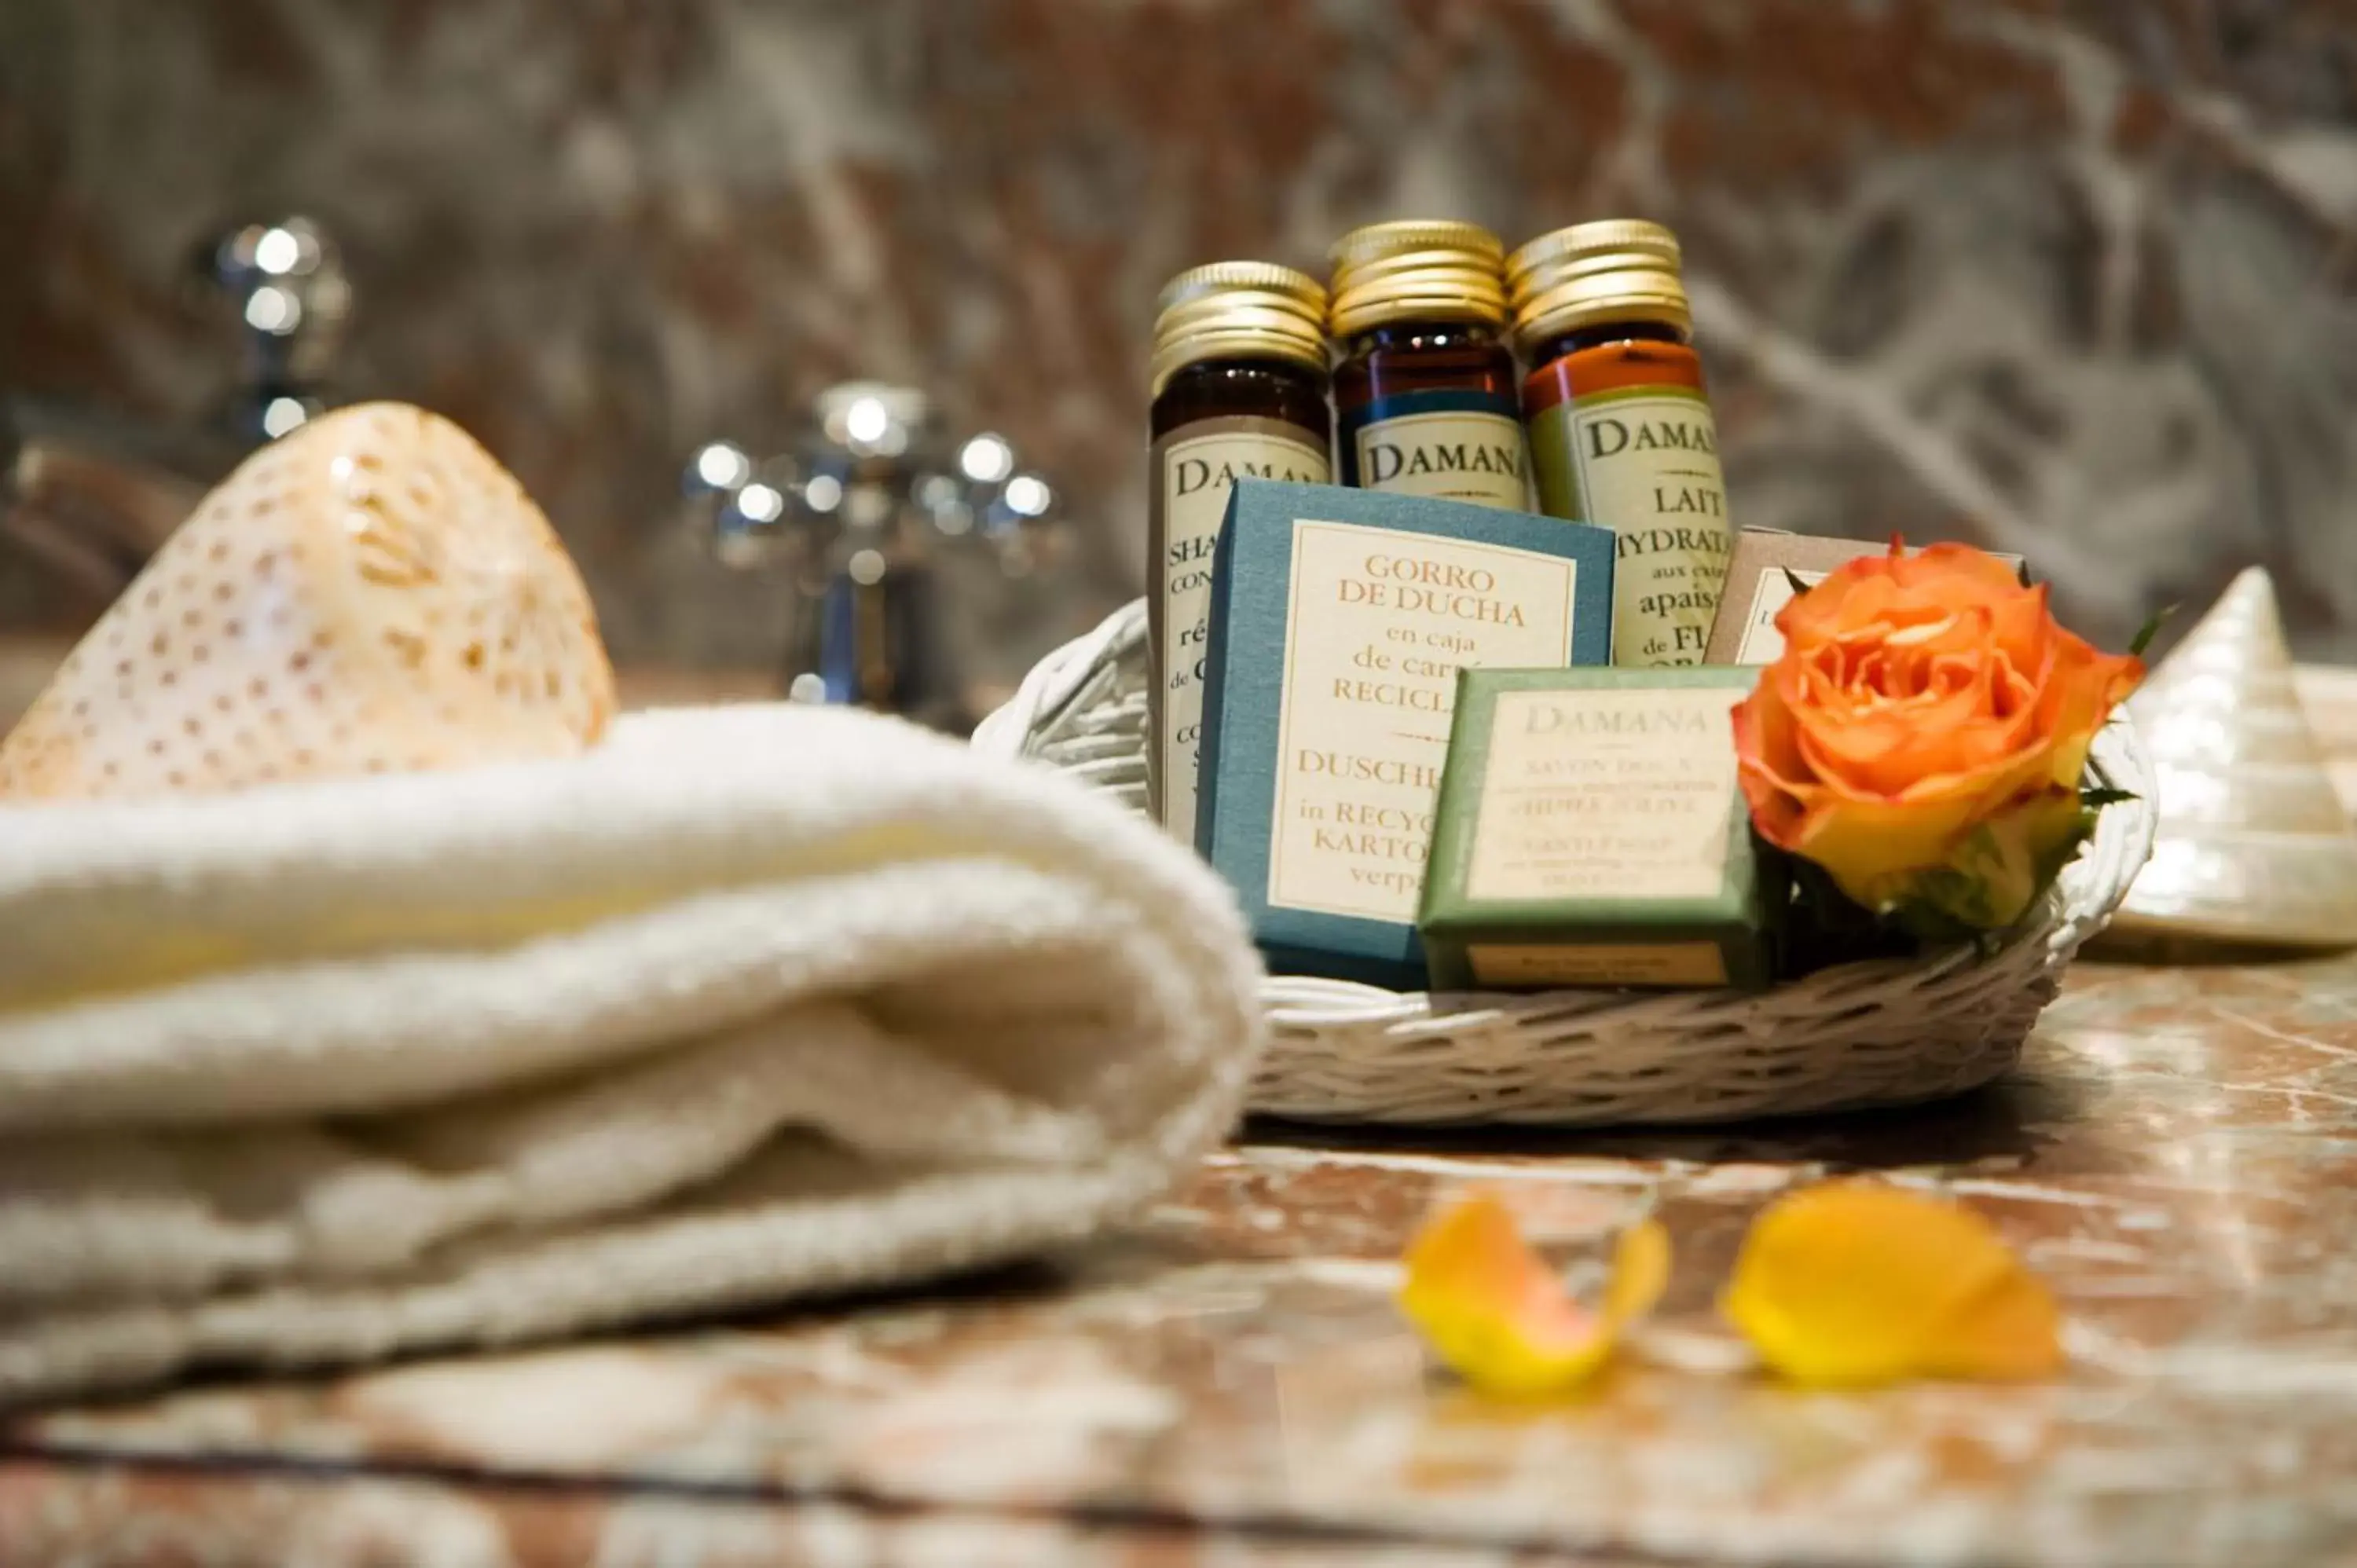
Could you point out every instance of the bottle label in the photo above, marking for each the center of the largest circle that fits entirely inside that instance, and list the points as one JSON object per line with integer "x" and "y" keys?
{"x": 1456, "y": 445}
{"x": 1195, "y": 466}
{"x": 1378, "y": 623}
{"x": 1644, "y": 461}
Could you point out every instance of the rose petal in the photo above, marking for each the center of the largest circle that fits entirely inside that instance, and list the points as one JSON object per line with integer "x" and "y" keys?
{"x": 1950, "y": 722}
{"x": 1948, "y": 563}
{"x": 1870, "y": 850}
{"x": 1640, "y": 1271}
{"x": 1501, "y": 1319}
{"x": 1994, "y": 872}
{"x": 1854, "y": 1283}
{"x": 1770, "y": 766}
{"x": 2010, "y": 1333}
{"x": 2080, "y": 691}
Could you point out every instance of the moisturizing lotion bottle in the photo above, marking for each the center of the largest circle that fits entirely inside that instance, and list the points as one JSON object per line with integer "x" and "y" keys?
{"x": 1620, "y": 428}
{"x": 1239, "y": 388}
{"x": 1424, "y": 396}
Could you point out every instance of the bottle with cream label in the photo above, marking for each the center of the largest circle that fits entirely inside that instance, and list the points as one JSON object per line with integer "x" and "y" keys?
{"x": 1239, "y": 386}
{"x": 1424, "y": 396}
{"x": 1620, "y": 427}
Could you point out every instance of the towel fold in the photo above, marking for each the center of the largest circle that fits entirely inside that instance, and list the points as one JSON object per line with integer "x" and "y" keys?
{"x": 747, "y": 1005}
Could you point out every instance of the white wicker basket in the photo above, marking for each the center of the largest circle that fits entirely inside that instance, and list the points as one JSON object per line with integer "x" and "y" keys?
{"x": 1887, "y": 1032}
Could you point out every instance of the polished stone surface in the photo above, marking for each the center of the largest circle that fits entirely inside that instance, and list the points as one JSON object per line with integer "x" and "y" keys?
{"x": 2179, "y": 1156}
{"x": 2076, "y": 278}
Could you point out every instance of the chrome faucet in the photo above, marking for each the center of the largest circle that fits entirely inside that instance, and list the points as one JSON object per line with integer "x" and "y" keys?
{"x": 91, "y": 495}
{"x": 884, "y": 532}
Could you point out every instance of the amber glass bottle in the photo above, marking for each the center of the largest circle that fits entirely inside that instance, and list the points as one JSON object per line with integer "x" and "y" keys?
{"x": 1239, "y": 383}
{"x": 1424, "y": 396}
{"x": 1619, "y": 424}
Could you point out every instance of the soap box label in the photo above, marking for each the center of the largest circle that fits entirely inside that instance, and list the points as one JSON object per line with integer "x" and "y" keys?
{"x": 1380, "y": 622}
{"x": 1761, "y": 643}
{"x": 1590, "y": 794}
{"x": 1644, "y": 462}
{"x": 1591, "y": 831}
{"x": 1760, "y": 579}
{"x": 1526, "y": 965}
{"x": 1195, "y": 467}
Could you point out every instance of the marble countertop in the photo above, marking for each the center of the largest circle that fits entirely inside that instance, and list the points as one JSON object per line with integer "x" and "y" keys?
{"x": 1230, "y": 1383}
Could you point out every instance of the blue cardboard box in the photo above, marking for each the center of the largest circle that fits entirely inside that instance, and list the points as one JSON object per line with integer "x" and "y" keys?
{"x": 1339, "y": 619}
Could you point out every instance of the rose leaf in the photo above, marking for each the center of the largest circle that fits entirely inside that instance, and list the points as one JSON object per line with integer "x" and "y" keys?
{"x": 2150, "y": 629}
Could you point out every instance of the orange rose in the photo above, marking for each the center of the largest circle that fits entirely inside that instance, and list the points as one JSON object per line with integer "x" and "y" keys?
{"x": 1924, "y": 736}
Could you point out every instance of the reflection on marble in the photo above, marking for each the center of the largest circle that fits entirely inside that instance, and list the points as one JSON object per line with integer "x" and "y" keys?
{"x": 2178, "y": 1157}
{"x": 2071, "y": 277}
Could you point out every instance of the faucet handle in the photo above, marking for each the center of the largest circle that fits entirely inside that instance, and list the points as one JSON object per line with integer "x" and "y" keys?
{"x": 287, "y": 281}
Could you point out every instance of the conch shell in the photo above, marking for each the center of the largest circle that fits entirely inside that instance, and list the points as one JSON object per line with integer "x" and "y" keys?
{"x": 371, "y": 594}
{"x": 2253, "y": 846}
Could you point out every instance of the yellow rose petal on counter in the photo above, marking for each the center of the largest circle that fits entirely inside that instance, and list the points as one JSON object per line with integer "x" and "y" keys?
{"x": 2012, "y": 1333}
{"x": 1640, "y": 1271}
{"x": 1853, "y": 1283}
{"x": 1491, "y": 1309}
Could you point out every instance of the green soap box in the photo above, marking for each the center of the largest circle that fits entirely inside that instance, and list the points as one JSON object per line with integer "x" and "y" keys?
{"x": 1591, "y": 832}
{"x": 1340, "y": 619}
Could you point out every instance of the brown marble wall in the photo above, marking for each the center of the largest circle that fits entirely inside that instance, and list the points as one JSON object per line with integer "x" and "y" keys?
{"x": 2075, "y": 277}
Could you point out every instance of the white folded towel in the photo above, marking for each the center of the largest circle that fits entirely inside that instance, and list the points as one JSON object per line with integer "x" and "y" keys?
{"x": 747, "y": 1005}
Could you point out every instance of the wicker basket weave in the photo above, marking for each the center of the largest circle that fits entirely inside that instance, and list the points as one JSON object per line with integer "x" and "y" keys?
{"x": 1887, "y": 1032}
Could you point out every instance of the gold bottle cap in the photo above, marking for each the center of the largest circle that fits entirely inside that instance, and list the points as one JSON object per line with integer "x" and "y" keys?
{"x": 1237, "y": 310}
{"x": 1417, "y": 269}
{"x": 1617, "y": 269}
